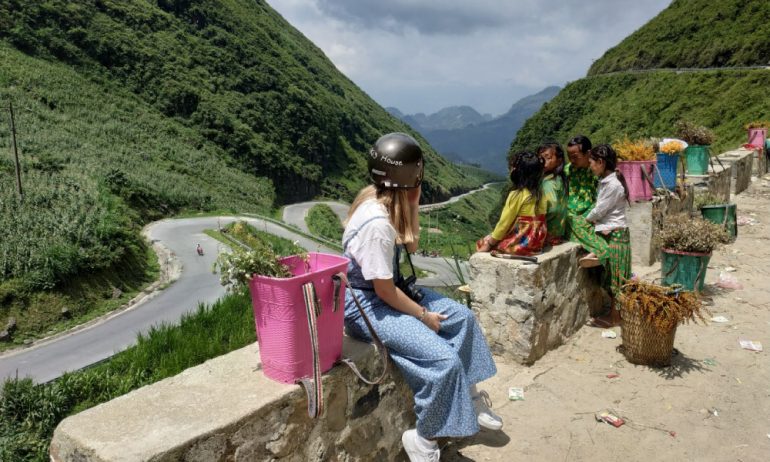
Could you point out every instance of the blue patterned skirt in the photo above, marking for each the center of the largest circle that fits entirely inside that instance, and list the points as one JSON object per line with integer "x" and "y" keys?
{"x": 439, "y": 367}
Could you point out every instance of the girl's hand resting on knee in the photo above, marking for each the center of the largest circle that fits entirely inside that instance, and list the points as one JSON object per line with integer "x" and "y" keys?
{"x": 433, "y": 320}
{"x": 485, "y": 244}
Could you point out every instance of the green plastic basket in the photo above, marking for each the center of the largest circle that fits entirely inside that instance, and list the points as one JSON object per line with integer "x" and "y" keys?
{"x": 697, "y": 160}
{"x": 724, "y": 214}
{"x": 685, "y": 268}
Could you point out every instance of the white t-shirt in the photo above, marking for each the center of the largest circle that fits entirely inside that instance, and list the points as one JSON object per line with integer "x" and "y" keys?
{"x": 372, "y": 247}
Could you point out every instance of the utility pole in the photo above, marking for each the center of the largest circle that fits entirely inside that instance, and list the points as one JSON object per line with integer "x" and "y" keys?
{"x": 15, "y": 153}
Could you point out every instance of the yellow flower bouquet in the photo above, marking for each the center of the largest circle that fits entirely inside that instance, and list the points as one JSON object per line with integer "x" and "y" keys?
{"x": 758, "y": 124}
{"x": 635, "y": 150}
{"x": 671, "y": 147}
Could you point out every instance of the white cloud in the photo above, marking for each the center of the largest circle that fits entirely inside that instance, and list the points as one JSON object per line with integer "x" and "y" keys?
{"x": 423, "y": 55}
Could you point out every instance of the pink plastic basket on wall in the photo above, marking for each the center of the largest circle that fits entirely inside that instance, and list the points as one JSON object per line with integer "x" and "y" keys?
{"x": 281, "y": 320}
{"x": 757, "y": 136}
{"x": 636, "y": 174}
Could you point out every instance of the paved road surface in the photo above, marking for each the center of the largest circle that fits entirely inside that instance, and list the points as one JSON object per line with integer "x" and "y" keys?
{"x": 439, "y": 205}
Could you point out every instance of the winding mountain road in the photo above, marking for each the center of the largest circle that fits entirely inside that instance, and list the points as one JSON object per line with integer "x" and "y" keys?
{"x": 102, "y": 338}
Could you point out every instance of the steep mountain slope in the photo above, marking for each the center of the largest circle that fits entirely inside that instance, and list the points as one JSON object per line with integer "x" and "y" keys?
{"x": 640, "y": 105}
{"x": 485, "y": 144}
{"x": 688, "y": 34}
{"x": 696, "y": 33}
{"x": 235, "y": 72}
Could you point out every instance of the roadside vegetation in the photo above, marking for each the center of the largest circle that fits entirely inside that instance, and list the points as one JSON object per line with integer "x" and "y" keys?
{"x": 246, "y": 234}
{"x": 322, "y": 221}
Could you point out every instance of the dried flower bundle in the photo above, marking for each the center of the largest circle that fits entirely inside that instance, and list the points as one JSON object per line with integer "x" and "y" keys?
{"x": 694, "y": 135}
{"x": 685, "y": 234}
{"x": 671, "y": 147}
{"x": 663, "y": 307}
{"x": 634, "y": 150}
{"x": 758, "y": 124}
{"x": 701, "y": 200}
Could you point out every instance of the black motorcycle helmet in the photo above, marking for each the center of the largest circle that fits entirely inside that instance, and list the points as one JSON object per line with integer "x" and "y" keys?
{"x": 395, "y": 161}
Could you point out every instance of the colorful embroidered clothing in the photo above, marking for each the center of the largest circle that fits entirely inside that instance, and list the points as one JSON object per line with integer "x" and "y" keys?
{"x": 582, "y": 232}
{"x": 556, "y": 208}
{"x": 521, "y": 228}
{"x": 612, "y": 250}
{"x": 582, "y": 189}
{"x": 617, "y": 261}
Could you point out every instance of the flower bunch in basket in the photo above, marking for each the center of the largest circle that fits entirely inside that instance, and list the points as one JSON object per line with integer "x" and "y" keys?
{"x": 662, "y": 307}
{"x": 238, "y": 267}
{"x": 685, "y": 234}
{"x": 758, "y": 124}
{"x": 634, "y": 150}
{"x": 671, "y": 147}
{"x": 693, "y": 134}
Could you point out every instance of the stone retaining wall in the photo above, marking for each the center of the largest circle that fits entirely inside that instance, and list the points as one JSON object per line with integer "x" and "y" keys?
{"x": 761, "y": 163}
{"x": 227, "y": 410}
{"x": 717, "y": 182}
{"x": 527, "y": 309}
{"x": 645, "y": 220}
{"x": 741, "y": 165}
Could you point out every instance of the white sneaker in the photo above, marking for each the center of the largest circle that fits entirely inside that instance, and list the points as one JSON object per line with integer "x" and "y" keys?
{"x": 487, "y": 419}
{"x": 415, "y": 450}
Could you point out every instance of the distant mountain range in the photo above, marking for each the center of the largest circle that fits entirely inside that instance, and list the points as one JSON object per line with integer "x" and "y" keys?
{"x": 449, "y": 118}
{"x": 463, "y": 135}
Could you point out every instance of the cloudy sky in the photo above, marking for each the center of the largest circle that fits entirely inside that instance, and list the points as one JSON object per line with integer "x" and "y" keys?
{"x": 423, "y": 55}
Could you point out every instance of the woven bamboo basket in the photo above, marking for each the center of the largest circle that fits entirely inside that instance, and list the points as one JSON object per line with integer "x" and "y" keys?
{"x": 643, "y": 343}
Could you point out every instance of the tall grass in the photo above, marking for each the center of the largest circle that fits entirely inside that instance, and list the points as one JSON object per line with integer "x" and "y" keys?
{"x": 254, "y": 238}
{"x": 64, "y": 225}
{"x": 30, "y": 412}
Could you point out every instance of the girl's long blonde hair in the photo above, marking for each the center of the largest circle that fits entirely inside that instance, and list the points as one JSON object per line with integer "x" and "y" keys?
{"x": 396, "y": 203}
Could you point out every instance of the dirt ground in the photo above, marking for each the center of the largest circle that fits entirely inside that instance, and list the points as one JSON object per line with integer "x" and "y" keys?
{"x": 712, "y": 404}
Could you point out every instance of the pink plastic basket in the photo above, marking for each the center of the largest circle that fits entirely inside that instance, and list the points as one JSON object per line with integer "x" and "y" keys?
{"x": 639, "y": 188}
{"x": 757, "y": 136}
{"x": 281, "y": 320}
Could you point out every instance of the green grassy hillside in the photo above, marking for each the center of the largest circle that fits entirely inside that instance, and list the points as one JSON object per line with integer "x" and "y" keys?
{"x": 97, "y": 163}
{"x": 696, "y": 33}
{"x": 234, "y": 72}
{"x": 687, "y": 34}
{"x": 607, "y": 107}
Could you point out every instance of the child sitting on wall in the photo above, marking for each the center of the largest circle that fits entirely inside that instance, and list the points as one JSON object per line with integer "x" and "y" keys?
{"x": 612, "y": 246}
{"x": 555, "y": 191}
{"x": 521, "y": 229}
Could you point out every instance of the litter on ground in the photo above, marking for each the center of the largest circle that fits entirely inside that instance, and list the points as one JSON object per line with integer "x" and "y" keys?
{"x": 750, "y": 345}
